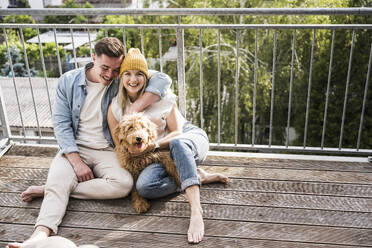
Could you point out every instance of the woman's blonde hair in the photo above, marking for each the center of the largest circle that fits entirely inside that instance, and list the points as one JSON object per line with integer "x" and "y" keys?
{"x": 134, "y": 60}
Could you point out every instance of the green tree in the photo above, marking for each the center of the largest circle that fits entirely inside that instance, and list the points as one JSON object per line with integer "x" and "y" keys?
{"x": 79, "y": 19}
{"x": 28, "y": 33}
{"x": 19, "y": 67}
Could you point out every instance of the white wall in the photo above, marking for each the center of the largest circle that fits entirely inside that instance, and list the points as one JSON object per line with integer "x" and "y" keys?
{"x": 4, "y": 4}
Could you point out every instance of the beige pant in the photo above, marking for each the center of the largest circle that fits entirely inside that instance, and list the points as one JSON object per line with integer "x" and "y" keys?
{"x": 111, "y": 181}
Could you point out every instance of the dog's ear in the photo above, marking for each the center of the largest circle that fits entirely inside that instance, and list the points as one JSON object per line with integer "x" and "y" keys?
{"x": 152, "y": 130}
{"x": 119, "y": 131}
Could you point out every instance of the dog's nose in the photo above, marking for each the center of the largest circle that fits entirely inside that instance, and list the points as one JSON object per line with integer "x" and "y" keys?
{"x": 138, "y": 139}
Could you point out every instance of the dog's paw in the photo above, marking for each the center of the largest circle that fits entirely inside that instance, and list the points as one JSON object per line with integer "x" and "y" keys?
{"x": 141, "y": 205}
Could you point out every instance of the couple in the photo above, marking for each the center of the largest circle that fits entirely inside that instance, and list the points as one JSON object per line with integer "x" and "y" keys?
{"x": 84, "y": 119}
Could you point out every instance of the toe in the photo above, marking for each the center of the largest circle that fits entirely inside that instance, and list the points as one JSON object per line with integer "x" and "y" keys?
{"x": 189, "y": 238}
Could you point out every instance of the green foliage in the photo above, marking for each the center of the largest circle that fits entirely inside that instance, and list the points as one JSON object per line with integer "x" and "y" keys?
{"x": 247, "y": 78}
{"x": 22, "y": 4}
{"x": 79, "y": 19}
{"x": 19, "y": 67}
{"x": 33, "y": 55}
{"x": 28, "y": 33}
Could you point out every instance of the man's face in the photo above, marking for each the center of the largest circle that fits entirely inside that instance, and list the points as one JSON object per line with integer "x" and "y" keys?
{"x": 106, "y": 68}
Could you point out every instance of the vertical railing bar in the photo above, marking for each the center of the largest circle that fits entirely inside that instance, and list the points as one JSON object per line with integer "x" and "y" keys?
{"x": 328, "y": 88}
{"x": 254, "y": 90}
{"x": 14, "y": 83}
{"x": 236, "y": 88}
{"x": 44, "y": 71}
{"x": 73, "y": 47}
{"x": 124, "y": 42}
{"x": 309, "y": 87}
{"x": 290, "y": 89}
{"x": 201, "y": 77}
{"x": 142, "y": 45}
{"x": 58, "y": 56}
{"x": 29, "y": 80}
{"x": 4, "y": 120}
{"x": 364, "y": 99}
{"x": 90, "y": 44}
{"x": 106, "y": 32}
{"x": 181, "y": 71}
{"x": 160, "y": 51}
{"x": 272, "y": 88}
{"x": 346, "y": 90}
{"x": 219, "y": 88}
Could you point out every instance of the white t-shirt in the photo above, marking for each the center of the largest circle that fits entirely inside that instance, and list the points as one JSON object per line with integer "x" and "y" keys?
{"x": 90, "y": 131}
{"x": 156, "y": 112}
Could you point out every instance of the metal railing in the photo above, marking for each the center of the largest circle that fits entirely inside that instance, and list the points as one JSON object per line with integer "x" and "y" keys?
{"x": 181, "y": 73}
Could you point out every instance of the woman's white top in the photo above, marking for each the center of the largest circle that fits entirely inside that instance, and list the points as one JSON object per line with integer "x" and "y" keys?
{"x": 157, "y": 112}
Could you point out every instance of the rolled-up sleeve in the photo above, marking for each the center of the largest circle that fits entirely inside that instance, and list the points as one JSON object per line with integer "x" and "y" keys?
{"x": 159, "y": 84}
{"x": 62, "y": 120}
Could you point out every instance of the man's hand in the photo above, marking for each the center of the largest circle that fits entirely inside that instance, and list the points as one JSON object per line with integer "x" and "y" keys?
{"x": 82, "y": 170}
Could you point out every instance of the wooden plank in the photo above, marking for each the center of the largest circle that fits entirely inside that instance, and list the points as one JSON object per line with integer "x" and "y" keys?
{"x": 33, "y": 150}
{"x": 44, "y": 162}
{"x": 237, "y": 172}
{"x": 25, "y": 162}
{"x": 352, "y": 204}
{"x": 119, "y": 239}
{"x": 162, "y": 207}
{"x": 236, "y": 184}
{"x": 217, "y": 228}
{"x": 288, "y": 164}
{"x": 293, "y": 175}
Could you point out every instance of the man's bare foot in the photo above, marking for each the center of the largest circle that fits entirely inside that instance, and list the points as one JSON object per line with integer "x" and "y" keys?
{"x": 195, "y": 233}
{"x": 40, "y": 233}
{"x": 206, "y": 177}
{"x": 32, "y": 192}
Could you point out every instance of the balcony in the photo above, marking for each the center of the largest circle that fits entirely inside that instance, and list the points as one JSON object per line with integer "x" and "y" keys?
{"x": 290, "y": 186}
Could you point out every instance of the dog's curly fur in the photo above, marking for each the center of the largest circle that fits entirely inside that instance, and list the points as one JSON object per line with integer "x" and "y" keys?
{"x": 135, "y": 132}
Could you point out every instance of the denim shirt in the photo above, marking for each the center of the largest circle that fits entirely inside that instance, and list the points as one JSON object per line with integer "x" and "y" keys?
{"x": 70, "y": 96}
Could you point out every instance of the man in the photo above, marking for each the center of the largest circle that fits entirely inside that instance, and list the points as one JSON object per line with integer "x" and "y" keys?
{"x": 86, "y": 166}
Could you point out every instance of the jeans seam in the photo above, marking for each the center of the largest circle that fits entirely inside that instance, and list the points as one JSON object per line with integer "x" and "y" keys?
{"x": 189, "y": 182}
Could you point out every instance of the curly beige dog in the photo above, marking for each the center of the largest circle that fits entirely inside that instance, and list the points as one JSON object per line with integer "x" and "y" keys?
{"x": 135, "y": 132}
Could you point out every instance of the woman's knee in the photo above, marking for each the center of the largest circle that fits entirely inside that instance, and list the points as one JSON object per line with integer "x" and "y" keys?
{"x": 179, "y": 145}
{"x": 154, "y": 183}
{"x": 143, "y": 188}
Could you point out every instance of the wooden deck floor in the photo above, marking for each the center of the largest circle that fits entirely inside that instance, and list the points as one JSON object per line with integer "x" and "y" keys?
{"x": 268, "y": 203}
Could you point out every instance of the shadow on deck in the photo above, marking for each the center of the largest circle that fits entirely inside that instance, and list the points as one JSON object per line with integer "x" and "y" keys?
{"x": 268, "y": 203}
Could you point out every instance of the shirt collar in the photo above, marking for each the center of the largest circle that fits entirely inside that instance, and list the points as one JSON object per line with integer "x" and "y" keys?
{"x": 83, "y": 81}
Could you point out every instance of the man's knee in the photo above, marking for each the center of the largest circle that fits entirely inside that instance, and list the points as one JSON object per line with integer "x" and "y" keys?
{"x": 123, "y": 185}
{"x": 56, "y": 185}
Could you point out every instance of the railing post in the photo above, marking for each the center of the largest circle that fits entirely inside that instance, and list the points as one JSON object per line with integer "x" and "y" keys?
{"x": 181, "y": 71}
{"x": 4, "y": 117}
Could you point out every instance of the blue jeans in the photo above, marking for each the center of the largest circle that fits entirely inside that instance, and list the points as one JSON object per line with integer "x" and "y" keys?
{"x": 186, "y": 150}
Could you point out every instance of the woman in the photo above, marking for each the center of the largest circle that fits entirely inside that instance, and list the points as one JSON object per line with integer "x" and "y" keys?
{"x": 187, "y": 143}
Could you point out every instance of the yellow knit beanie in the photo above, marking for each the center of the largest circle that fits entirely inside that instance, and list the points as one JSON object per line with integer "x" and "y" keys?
{"x": 134, "y": 60}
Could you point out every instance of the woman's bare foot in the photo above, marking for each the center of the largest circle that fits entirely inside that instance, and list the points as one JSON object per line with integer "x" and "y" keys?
{"x": 32, "y": 192}
{"x": 195, "y": 233}
{"x": 206, "y": 177}
{"x": 40, "y": 233}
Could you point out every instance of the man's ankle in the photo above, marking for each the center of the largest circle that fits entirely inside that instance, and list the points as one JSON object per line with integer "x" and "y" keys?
{"x": 41, "y": 232}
